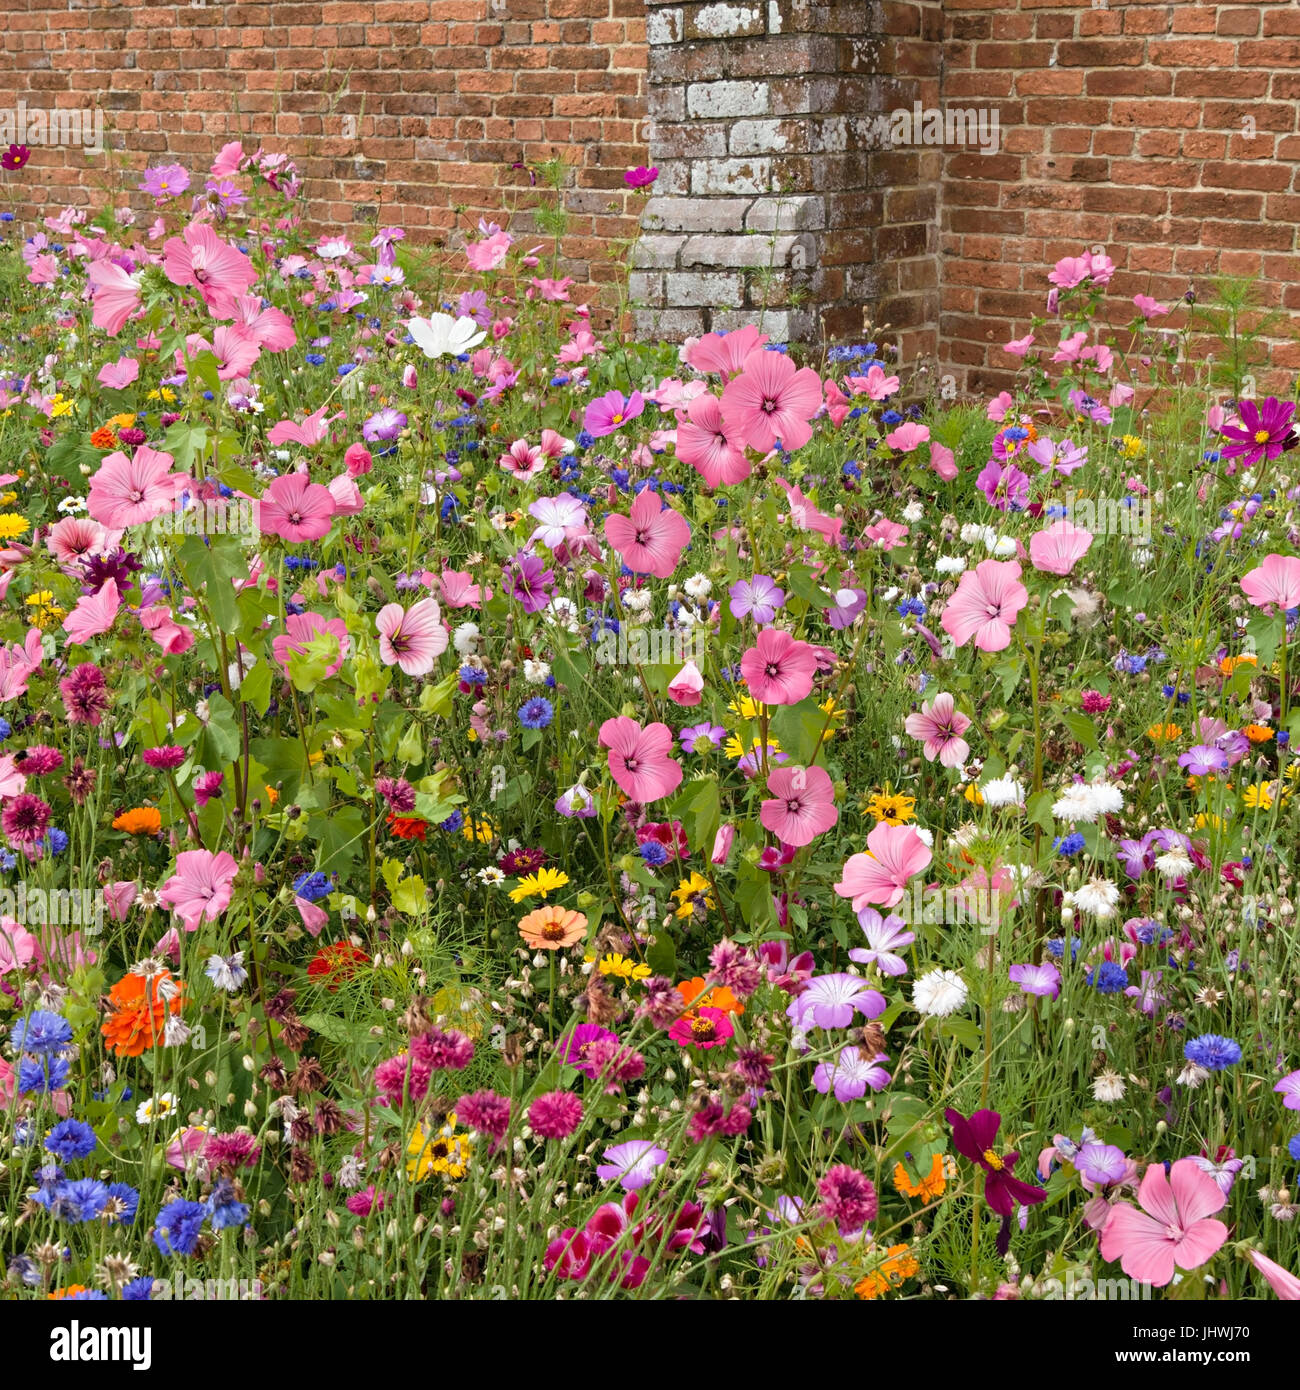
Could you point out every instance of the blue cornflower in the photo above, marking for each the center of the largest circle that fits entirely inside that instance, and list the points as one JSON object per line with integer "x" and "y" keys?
{"x": 43, "y": 1074}
{"x": 1056, "y": 948}
{"x": 82, "y": 1200}
{"x": 6, "y": 728}
{"x": 913, "y": 607}
{"x": 1293, "y": 1147}
{"x": 126, "y": 1202}
{"x": 315, "y": 359}
{"x": 1108, "y": 978}
{"x": 56, "y": 840}
{"x": 473, "y": 675}
{"x": 891, "y": 417}
{"x": 313, "y": 886}
{"x": 453, "y": 823}
{"x": 653, "y": 853}
{"x": 177, "y": 1226}
{"x": 71, "y": 1139}
{"x": 41, "y": 1033}
{"x": 1212, "y": 1051}
{"x": 222, "y": 1207}
{"x": 536, "y": 713}
{"x": 138, "y": 1290}
{"x": 1069, "y": 844}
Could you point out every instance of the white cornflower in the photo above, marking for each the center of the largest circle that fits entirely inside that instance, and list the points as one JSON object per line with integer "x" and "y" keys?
{"x": 638, "y": 600}
{"x": 1174, "y": 864}
{"x": 1003, "y": 791}
{"x": 698, "y": 587}
{"x": 914, "y": 511}
{"x": 1076, "y": 803}
{"x": 465, "y": 639}
{"x": 939, "y": 993}
{"x": 949, "y": 564}
{"x": 1098, "y": 897}
{"x": 536, "y": 672}
{"x": 1192, "y": 1075}
{"x": 1108, "y": 800}
{"x": 1108, "y": 1086}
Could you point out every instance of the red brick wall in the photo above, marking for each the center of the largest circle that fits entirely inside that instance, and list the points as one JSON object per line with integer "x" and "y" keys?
{"x": 1122, "y": 126}
{"x": 443, "y": 95}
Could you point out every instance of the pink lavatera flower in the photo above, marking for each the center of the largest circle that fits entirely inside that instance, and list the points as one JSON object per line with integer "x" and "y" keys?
{"x": 778, "y": 668}
{"x": 295, "y": 509}
{"x": 639, "y": 760}
{"x": 705, "y": 441}
{"x": 725, "y": 353}
{"x": 1275, "y": 583}
{"x": 411, "y": 638}
{"x": 802, "y": 805}
{"x": 1175, "y": 1228}
{"x": 94, "y": 613}
{"x": 202, "y": 886}
{"x": 879, "y": 877}
{"x": 651, "y": 539}
{"x": 129, "y": 491}
{"x": 117, "y": 296}
{"x": 772, "y": 401}
{"x": 985, "y": 606}
{"x": 1058, "y": 548}
{"x": 217, "y": 270}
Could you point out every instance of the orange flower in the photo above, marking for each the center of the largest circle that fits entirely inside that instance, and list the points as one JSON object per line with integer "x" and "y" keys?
{"x": 552, "y": 928}
{"x": 719, "y": 997}
{"x": 68, "y": 1292}
{"x": 142, "y": 820}
{"x": 104, "y": 438}
{"x": 1257, "y": 733}
{"x": 899, "y": 1265}
{"x": 408, "y": 827}
{"x": 930, "y": 1186}
{"x": 1230, "y": 663}
{"x": 138, "y": 1008}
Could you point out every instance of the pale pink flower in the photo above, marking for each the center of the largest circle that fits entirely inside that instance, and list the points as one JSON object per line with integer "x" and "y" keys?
{"x": 875, "y": 385}
{"x": 907, "y": 437}
{"x": 523, "y": 460}
{"x": 216, "y": 269}
{"x": 778, "y": 669}
{"x": 894, "y": 853}
{"x": 412, "y": 638}
{"x": 302, "y": 628}
{"x": 940, "y": 726}
{"x": 202, "y": 886}
{"x": 724, "y": 353}
{"x": 639, "y": 758}
{"x": 76, "y": 537}
{"x": 1058, "y": 548}
{"x": 126, "y": 492}
{"x": 94, "y": 613}
{"x": 772, "y": 400}
{"x": 1281, "y": 1281}
{"x": 651, "y": 541}
{"x": 985, "y": 605}
{"x": 686, "y": 686}
{"x": 117, "y": 376}
{"x": 117, "y": 296}
{"x": 1276, "y": 582}
{"x": 943, "y": 461}
{"x": 1174, "y": 1229}
{"x": 804, "y": 804}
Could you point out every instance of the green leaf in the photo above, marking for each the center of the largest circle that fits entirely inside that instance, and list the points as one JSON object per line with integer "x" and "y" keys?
{"x": 1081, "y": 729}
{"x": 255, "y": 688}
{"x": 410, "y": 896}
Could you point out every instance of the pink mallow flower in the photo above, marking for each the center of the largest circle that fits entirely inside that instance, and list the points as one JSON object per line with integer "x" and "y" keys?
{"x": 803, "y": 804}
{"x": 638, "y": 758}
{"x": 772, "y": 401}
{"x": 202, "y": 886}
{"x": 1174, "y": 1229}
{"x": 651, "y": 539}
{"x": 412, "y": 638}
{"x": 985, "y": 606}
{"x": 778, "y": 669}
{"x": 894, "y": 853}
{"x": 940, "y": 726}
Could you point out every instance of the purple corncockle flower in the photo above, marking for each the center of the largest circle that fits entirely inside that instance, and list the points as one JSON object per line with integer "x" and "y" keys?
{"x": 885, "y": 936}
{"x": 756, "y": 598}
{"x": 1289, "y": 1087}
{"x": 830, "y": 1001}
{"x": 1102, "y": 1164}
{"x": 530, "y": 582}
{"x": 1203, "y": 761}
{"x": 1147, "y": 993}
{"x": 852, "y": 1074}
{"x": 633, "y": 1164}
{"x": 848, "y": 604}
{"x": 1224, "y": 1171}
{"x": 384, "y": 425}
{"x": 1136, "y": 855}
{"x": 692, "y": 739}
{"x": 1043, "y": 979}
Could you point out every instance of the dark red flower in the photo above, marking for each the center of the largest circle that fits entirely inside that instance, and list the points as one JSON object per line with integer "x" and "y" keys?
{"x": 15, "y": 157}
{"x": 974, "y": 1139}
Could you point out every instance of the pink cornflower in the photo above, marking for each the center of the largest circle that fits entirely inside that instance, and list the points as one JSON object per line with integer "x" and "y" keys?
{"x": 412, "y": 638}
{"x": 39, "y": 759}
{"x": 985, "y": 606}
{"x": 486, "y": 1112}
{"x": 652, "y": 538}
{"x": 772, "y": 400}
{"x": 443, "y": 1051}
{"x": 734, "y": 968}
{"x": 778, "y": 669}
{"x": 207, "y": 787}
{"x": 233, "y": 1150}
{"x": 85, "y": 694}
{"x": 368, "y": 1200}
{"x": 804, "y": 804}
{"x": 639, "y": 758}
{"x": 24, "y": 821}
{"x": 555, "y": 1115}
{"x": 940, "y": 726}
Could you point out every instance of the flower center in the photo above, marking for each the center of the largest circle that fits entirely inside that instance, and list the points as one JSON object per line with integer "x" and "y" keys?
{"x": 993, "y": 1161}
{"x": 1261, "y": 436}
{"x": 703, "y": 1029}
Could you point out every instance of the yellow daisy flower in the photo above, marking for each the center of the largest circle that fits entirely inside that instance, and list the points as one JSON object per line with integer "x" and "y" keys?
{"x": 538, "y": 885}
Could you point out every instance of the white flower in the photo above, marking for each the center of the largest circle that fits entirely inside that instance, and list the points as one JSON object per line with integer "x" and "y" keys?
{"x": 71, "y": 505}
{"x": 440, "y": 335}
{"x": 939, "y": 993}
{"x": 176, "y": 1032}
{"x": 1003, "y": 791}
{"x": 1174, "y": 864}
{"x": 698, "y": 586}
{"x": 1098, "y": 898}
{"x": 949, "y": 564}
{"x": 1108, "y": 1086}
{"x": 925, "y": 836}
{"x": 155, "y": 1109}
{"x": 491, "y": 875}
{"x": 1192, "y": 1075}
{"x": 465, "y": 639}
{"x": 1108, "y": 800}
{"x": 638, "y": 600}
{"x": 914, "y": 511}
{"x": 564, "y": 612}
{"x": 974, "y": 531}
{"x": 1075, "y": 803}
{"x": 1003, "y": 546}
{"x": 536, "y": 672}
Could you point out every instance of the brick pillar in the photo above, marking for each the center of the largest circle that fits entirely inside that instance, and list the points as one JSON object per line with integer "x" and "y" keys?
{"x": 778, "y": 192}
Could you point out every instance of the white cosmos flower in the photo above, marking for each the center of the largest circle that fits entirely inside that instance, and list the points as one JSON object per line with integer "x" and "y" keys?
{"x": 939, "y": 993}
{"x": 155, "y": 1109}
{"x": 440, "y": 335}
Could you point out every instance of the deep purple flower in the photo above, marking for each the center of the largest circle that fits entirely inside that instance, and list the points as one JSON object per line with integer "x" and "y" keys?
{"x": 974, "y": 1139}
{"x": 530, "y": 582}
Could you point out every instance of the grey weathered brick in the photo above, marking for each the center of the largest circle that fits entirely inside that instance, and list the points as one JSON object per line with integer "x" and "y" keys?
{"x": 713, "y": 288}
{"x": 727, "y": 100}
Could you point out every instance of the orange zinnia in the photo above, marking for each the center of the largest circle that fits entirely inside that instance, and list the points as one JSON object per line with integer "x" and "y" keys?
{"x": 142, "y": 820}
{"x": 718, "y": 997}
{"x": 104, "y": 438}
{"x": 930, "y": 1186}
{"x": 1257, "y": 733}
{"x": 552, "y": 928}
{"x": 138, "y": 1009}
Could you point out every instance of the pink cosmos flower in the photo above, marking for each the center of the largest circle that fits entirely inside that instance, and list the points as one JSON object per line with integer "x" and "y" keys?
{"x": 216, "y": 269}
{"x": 117, "y": 296}
{"x": 651, "y": 541}
{"x": 611, "y": 412}
{"x": 1059, "y": 548}
{"x": 202, "y": 886}
{"x": 295, "y": 509}
{"x": 894, "y": 854}
{"x": 724, "y": 353}
{"x": 985, "y": 605}
{"x": 778, "y": 669}
{"x": 940, "y": 726}
{"x": 772, "y": 400}
{"x": 1276, "y": 582}
{"x": 1175, "y": 1227}
{"x": 522, "y": 460}
{"x": 94, "y": 614}
{"x": 704, "y": 440}
{"x": 639, "y": 758}
{"x": 412, "y": 638}
{"x": 804, "y": 805}
{"x": 126, "y": 492}
{"x": 489, "y": 254}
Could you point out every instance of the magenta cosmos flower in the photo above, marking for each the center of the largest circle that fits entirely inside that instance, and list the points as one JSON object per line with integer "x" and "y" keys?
{"x": 639, "y": 758}
{"x": 652, "y": 539}
{"x": 803, "y": 805}
{"x": 411, "y": 638}
{"x": 772, "y": 400}
{"x": 940, "y": 726}
{"x": 611, "y": 411}
{"x": 974, "y": 1139}
{"x": 1265, "y": 431}
{"x": 1275, "y": 582}
{"x": 713, "y": 448}
{"x": 295, "y": 509}
{"x": 985, "y": 606}
{"x": 778, "y": 669}
{"x": 202, "y": 886}
{"x": 894, "y": 853}
{"x": 640, "y": 177}
{"x": 126, "y": 492}
{"x": 1174, "y": 1229}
